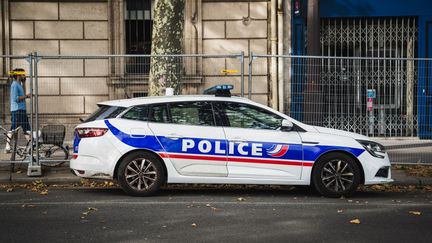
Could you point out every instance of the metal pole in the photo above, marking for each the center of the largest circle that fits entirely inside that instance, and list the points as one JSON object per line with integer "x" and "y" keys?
{"x": 242, "y": 73}
{"x": 34, "y": 168}
{"x": 251, "y": 58}
{"x": 31, "y": 105}
{"x": 37, "y": 107}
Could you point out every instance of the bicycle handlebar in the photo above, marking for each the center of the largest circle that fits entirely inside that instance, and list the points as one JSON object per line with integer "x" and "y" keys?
{"x": 13, "y": 131}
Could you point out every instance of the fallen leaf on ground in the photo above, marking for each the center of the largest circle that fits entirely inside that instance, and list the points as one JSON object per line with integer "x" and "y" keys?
{"x": 415, "y": 212}
{"x": 355, "y": 221}
{"x": 28, "y": 206}
{"x": 44, "y": 192}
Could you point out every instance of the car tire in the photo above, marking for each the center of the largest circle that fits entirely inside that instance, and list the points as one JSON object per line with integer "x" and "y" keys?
{"x": 141, "y": 174}
{"x": 336, "y": 175}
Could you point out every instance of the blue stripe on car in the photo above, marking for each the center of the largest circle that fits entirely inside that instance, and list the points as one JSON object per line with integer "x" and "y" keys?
{"x": 309, "y": 153}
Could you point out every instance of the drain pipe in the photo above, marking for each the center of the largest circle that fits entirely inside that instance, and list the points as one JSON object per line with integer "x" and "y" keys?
{"x": 273, "y": 63}
{"x": 281, "y": 82}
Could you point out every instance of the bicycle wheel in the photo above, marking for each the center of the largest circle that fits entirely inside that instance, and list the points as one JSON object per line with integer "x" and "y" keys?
{"x": 19, "y": 152}
{"x": 58, "y": 155}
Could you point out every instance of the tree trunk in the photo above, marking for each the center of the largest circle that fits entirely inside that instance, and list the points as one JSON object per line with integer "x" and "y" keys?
{"x": 166, "y": 71}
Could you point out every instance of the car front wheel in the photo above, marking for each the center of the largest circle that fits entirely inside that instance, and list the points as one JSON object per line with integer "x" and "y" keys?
{"x": 336, "y": 175}
{"x": 140, "y": 174}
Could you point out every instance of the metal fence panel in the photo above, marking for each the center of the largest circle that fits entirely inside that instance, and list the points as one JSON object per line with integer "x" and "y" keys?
{"x": 385, "y": 98}
{"x": 69, "y": 87}
{"x": 7, "y": 138}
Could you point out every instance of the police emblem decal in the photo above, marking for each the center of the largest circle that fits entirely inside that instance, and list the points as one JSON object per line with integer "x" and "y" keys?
{"x": 278, "y": 150}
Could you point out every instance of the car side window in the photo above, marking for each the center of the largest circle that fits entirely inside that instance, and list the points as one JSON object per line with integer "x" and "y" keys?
{"x": 248, "y": 116}
{"x": 159, "y": 113}
{"x": 198, "y": 113}
{"x": 139, "y": 113}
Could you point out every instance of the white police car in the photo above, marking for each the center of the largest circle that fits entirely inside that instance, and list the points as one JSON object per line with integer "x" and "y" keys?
{"x": 146, "y": 142}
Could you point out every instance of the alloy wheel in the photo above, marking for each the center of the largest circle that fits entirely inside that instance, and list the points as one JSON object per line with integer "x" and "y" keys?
{"x": 140, "y": 174}
{"x": 337, "y": 175}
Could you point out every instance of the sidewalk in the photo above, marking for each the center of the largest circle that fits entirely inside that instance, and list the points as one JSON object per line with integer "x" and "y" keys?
{"x": 62, "y": 175}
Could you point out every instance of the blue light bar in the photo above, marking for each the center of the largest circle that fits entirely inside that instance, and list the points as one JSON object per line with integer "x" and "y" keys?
{"x": 220, "y": 90}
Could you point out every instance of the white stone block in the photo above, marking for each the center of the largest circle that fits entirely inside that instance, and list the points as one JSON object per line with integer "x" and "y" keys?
{"x": 43, "y": 47}
{"x": 238, "y": 29}
{"x": 84, "y": 86}
{"x": 48, "y": 86}
{"x": 22, "y": 29}
{"x": 213, "y": 29}
{"x": 58, "y": 30}
{"x": 61, "y": 67}
{"x": 61, "y": 104}
{"x": 84, "y": 11}
{"x": 83, "y": 47}
{"x": 224, "y": 10}
{"x": 96, "y": 67}
{"x": 259, "y": 46}
{"x": 33, "y": 10}
{"x": 258, "y": 10}
{"x": 213, "y": 66}
{"x": 96, "y": 30}
{"x": 225, "y": 46}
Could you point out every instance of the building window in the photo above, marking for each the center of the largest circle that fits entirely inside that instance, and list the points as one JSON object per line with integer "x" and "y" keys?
{"x": 138, "y": 29}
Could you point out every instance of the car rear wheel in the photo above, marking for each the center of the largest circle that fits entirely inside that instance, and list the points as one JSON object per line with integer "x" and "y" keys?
{"x": 336, "y": 175}
{"x": 140, "y": 174}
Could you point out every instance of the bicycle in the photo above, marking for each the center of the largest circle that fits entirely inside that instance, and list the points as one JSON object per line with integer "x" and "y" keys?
{"x": 11, "y": 140}
{"x": 50, "y": 146}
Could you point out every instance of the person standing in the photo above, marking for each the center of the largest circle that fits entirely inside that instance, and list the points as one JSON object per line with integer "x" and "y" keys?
{"x": 18, "y": 106}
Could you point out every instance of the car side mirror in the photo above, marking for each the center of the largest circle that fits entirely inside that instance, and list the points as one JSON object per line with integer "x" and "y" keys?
{"x": 287, "y": 125}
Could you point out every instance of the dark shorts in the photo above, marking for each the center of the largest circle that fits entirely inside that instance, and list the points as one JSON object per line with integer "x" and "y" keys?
{"x": 20, "y": 119}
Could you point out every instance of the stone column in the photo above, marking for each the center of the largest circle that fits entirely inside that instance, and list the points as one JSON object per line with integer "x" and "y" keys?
{"x": 313, "y": 96}
{"x": 287, "y": 51}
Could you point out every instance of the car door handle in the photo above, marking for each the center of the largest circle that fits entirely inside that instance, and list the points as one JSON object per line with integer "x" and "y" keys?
{"x": 174, "y": 136}
{"x": 238, "y": 140}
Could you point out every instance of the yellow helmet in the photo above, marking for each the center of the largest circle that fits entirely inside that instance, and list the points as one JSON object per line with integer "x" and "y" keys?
{"x": 17, "y": 71}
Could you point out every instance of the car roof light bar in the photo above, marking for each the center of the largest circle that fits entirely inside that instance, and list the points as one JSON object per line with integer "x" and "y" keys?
{"x": 222, "y": 90}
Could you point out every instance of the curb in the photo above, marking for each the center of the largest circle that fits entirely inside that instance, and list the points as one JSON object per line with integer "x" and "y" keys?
{"x": 70, "y": 180}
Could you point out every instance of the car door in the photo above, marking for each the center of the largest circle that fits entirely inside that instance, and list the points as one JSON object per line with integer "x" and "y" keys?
{"x": 257, "y": 147}
{"x": 190, "y": 138}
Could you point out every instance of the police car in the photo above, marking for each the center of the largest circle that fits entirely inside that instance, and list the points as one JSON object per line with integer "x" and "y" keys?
{"x": 144, "y": 143}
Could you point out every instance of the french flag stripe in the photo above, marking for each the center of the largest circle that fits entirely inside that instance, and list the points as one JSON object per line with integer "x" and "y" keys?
{"x": 282, "y": 152}
{"x": 235, "y": 159}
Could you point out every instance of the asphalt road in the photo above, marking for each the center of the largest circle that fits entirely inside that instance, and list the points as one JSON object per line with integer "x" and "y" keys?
{"x": 191, "y": 215}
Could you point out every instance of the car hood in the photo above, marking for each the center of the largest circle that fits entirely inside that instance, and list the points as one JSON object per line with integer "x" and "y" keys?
{"x": 340, "y": 133}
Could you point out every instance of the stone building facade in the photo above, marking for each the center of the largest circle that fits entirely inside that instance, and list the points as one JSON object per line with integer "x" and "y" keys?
{"x": 70, "y": 87}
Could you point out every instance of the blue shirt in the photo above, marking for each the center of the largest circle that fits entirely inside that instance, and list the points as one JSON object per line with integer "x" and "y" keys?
{"x": 16, "y": 91}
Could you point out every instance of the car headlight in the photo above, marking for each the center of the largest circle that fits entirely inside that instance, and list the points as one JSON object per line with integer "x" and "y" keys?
{"x": 375, "y": 149}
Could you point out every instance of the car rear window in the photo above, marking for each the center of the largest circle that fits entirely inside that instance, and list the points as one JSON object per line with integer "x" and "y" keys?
{"x": 105, "y": 112}
{"x": 139, "y": 113}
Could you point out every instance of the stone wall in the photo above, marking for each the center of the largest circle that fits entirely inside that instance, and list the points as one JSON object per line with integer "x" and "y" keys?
{"x": 66, "y": 86}
{"x": 230, "y": 27}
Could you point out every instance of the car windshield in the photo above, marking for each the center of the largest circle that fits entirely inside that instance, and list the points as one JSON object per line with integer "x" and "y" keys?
{"x": 105, "y": 112}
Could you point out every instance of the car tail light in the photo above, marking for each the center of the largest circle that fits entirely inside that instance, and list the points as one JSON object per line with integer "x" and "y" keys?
{"x": 89, "y": 132}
